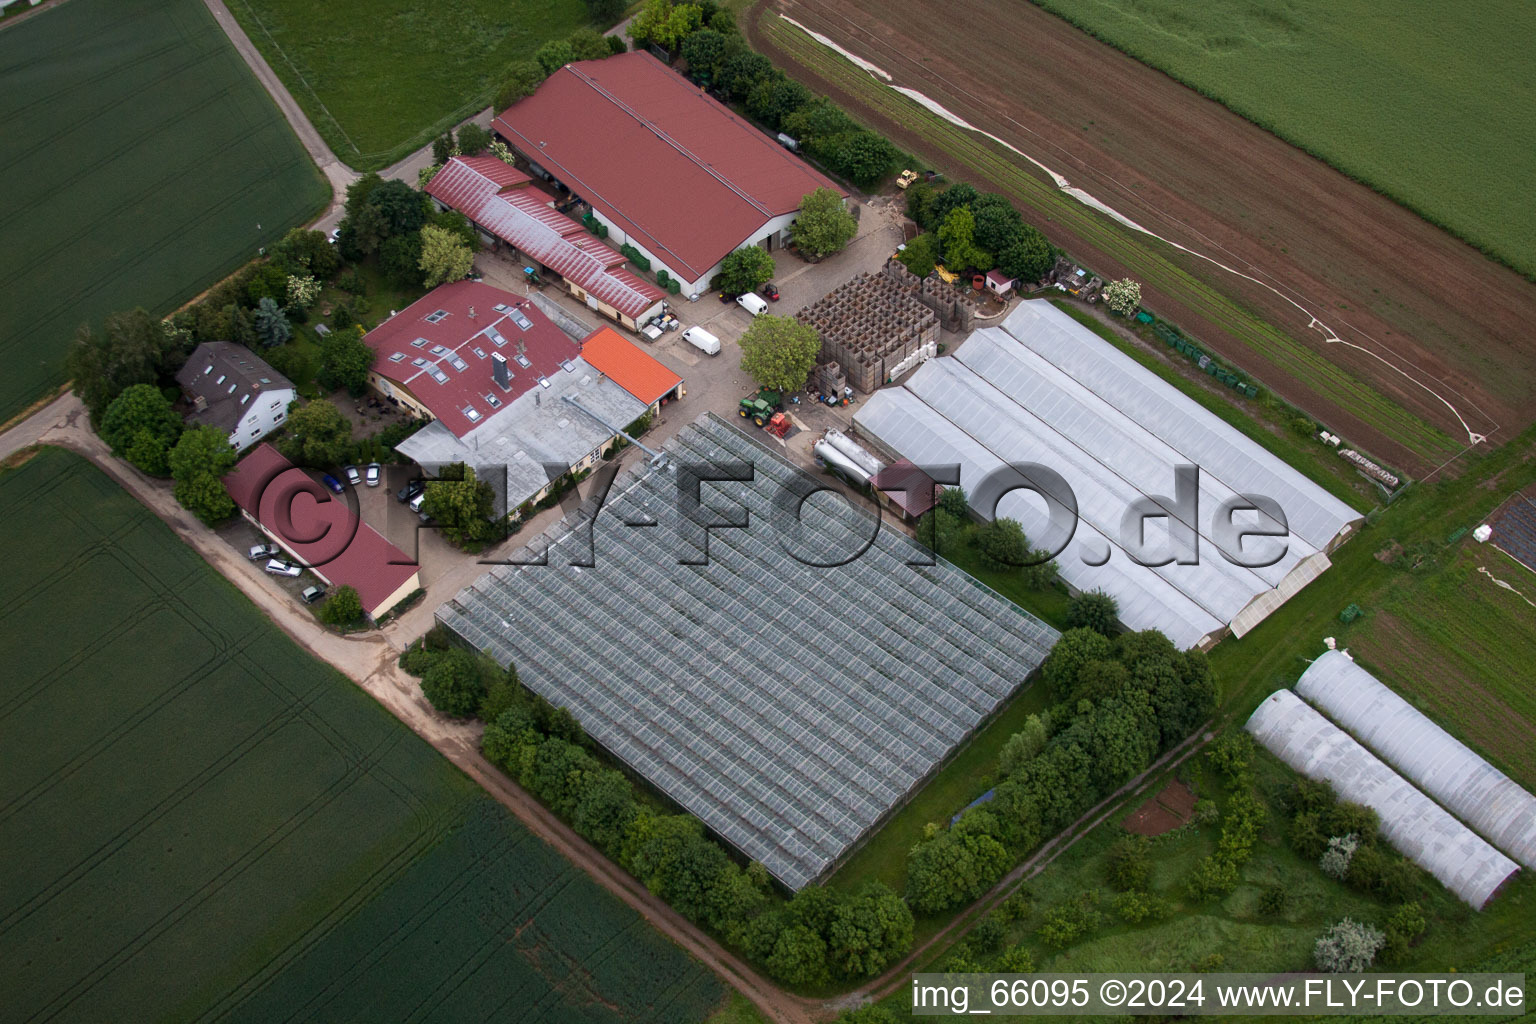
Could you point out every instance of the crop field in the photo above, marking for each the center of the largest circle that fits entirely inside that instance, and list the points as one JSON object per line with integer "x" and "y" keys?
{"x": 142, "y": 162}
{"x": 1431, "y": 344}
{"x": 199, "y": 821}
{"x": 1430, "y": 107}
{"x": 381, "y": 78}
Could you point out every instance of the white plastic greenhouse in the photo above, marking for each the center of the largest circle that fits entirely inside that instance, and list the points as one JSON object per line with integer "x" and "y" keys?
{"x": 1044, "y": 389}
{"x": 1413, "y": 823}
{"x": 1469, "y": 787}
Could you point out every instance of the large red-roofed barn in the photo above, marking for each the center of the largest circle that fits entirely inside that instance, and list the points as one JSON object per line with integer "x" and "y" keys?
{"x": 665, "y": 166}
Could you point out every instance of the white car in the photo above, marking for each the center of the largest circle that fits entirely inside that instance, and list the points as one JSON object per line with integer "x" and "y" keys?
{"x": 373, "y": 474}
{"x": 335, "y": 234}
{"x": 261, "y": 551}
{"x": 279, "y": 567}
{"x": 353, "y": 476}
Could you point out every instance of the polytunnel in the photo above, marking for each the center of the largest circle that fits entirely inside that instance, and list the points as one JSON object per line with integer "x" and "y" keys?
{"x": 1469, "y": 787}
{"x": 1413, "y": 823}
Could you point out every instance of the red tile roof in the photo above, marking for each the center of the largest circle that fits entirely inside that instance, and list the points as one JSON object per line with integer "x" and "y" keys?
{"x": 908, "y": 488}
{"x": 318, "y": 528}
{"x": 659, "y": 157}
{"x": 623, "y": 362}
{"x": 450, "y": 372}
{"x": 495, "y": 196}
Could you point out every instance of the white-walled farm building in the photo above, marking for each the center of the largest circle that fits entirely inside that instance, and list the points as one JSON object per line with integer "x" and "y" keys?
{"x": 1413, "y": 823}
{"x": 1043, "y": 389}
{"x": 670, "y": 170}
{"x": 1495, "y": 805}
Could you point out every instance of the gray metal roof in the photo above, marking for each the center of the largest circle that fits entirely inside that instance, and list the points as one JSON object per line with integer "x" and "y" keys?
{"x": 509, "y": 448}
{"x": 1434, "y": 760}
{"x": 1044, "y": 389}
{"x": 1410, "y": 821}
{"x": 227, "y": 377}
{"x": 790, "y": 707}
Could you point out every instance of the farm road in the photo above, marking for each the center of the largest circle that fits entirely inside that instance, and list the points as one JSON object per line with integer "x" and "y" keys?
{"x": 369, "y": 660}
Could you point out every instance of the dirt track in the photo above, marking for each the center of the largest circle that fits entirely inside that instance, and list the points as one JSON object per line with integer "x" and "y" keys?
{"x": 1191, "y": 171}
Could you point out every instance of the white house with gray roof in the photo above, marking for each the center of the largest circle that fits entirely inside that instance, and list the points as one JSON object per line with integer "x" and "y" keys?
{"x": 232, "y": 388}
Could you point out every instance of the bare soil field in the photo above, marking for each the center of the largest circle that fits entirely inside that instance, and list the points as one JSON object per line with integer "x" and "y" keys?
{"x": 1429, "y": 324}
{"x": 1164, "y": 811}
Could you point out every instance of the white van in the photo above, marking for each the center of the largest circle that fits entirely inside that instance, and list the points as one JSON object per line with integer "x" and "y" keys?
{"x": 702, "y": 340}
{"x": 753, "y": 303}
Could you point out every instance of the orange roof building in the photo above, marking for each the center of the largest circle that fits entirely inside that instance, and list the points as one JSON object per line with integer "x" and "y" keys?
{"x": 631, "y": 368}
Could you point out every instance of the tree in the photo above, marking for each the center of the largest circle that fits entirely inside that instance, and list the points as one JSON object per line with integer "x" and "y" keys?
{"x": 360, "y": 234}
{"x": 741, "y": 73}
{"x": 1404, "y": 926}
{"x": 605, "y": 810}
{"x": 400, "y": 259}
{"x": 587, "y": 44}
{"x": 307, "y": 252}
{"x": 1029, "y": 257}
{"x": 1335, "y": 860}
{"x": 461, "y": 504}
{"x": 318, "y": 434}
{"x": 745, "y": 270}
{"x": 554, "y": 55}
{"x": 1093, "y": 610}
{"x": 953, "y": 866}
{"x": 824, "y": 225}
{"x": 444, "y": 257}
{"x": 1123, "y": 296}
{"x": 920, "y": 197}
{"x": 1023, "y": 746}
{"x": 774, "y": 98}
{"x": 344, "y": 361}
{"x": 141, "y": 426}
{"x": 456, "y": 223}
{"x": 863, "y": 157}
{"x": 779, "y": 352}
{"x": 921, "y": 255}
{"x": 344, "y": 607}
{"x": 1129, "y": 864}
{"x": 817, "y": 123}
{"x": 132, "y": 348}
{"x": 404, "y": 209}
{"x": 302, "y": 291}
{"x": 1348, "y": 947}
{"x": 453, "y": 683}
{"x": 198, "y": 463}
{"x": 1076, "y": 649}
{"x": 956, "y": 236}
{"x": 998, "y": 224}
{"x": 272, "y": 326}
{"x": 523, "y": 77}
{"x": 948, "y": 201}
{"x": 867, "y": 931}
{"x": 442, "y": 148}
{"x": 606, "y": 12}
{"x": 704, "y": 51}
{"x": 665, "y": 24}
{"x": 1002, "y": 544}
{"x": 267, "y": 281}
{"x": 473, "y": 140}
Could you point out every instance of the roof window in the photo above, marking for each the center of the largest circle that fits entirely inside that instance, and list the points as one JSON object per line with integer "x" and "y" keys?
{"x": 397, "y": 357}
{"x": 432, "y": 318}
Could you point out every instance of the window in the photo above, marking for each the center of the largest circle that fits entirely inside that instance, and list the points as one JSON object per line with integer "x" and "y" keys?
{"x": 471, "y": 413}
{"x": 397, "y": 357}
{"x": 232, "y": 388}
{"x": 543, "y": 382}
{"x": 495, "y": 336}
{"x": 222, "y": 378}
{"x": 244, "y": 399}
{"x": 210, "y": 368}
{"x": 439, "y": 350}
{"x": 432, "y": 318}
{"x": 419, "y": 343}
{"x": 522, "y": 321}
{"x": 568, "y": 366}
{"x": 522, "y": 361}
{"x": 493, "y": 401}
{"x": 479, "y": 352}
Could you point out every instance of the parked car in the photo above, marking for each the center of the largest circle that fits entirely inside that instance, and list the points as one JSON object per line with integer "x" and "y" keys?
{"x": 416, "y": 502}
{"x": 753, "y": 303}
{"x": 282, "y": 567}
{"x": 771, "y": 291}
{"x": 372, "y": 474}
{"x": 353, "y": 476}
{"x": 702, "y": 340}
{"x": 312, "y": 594}
{"x": 261, "y": 551}
{"x": 332, "y": 483}
{"x": 335, "y": 234}
{"x": 410, "y": 490}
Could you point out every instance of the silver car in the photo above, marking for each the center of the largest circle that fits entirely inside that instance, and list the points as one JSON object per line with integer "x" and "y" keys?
{"x": 373, "y": 474}
{"x": 261, "y": 551}
{"x": 281, "y": 567}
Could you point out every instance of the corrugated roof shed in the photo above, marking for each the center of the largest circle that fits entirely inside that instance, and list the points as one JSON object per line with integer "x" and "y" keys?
{"x": 789, "y": 706}
{"x": 1410, "y": 821}
{"x": 659, "y": 157}
{"x": 1438, "y": 763}
{"x": 632, "y": 369}
{"x": 318, "y": 528}
{"x": 908, "y": 487}
{"x": 494, "y": 196}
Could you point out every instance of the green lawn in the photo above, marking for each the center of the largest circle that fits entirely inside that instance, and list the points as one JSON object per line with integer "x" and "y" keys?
{"x": 1425, "y": 104}
{"x": 380, "y": 79}
{"x": 143, "y": 163}
{"x": 198, "y": 819}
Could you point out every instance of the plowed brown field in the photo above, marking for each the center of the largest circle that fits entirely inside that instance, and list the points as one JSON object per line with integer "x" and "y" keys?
{"x": 1454, "y": 328}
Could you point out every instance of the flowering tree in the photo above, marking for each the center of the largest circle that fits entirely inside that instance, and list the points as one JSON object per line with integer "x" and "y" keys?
{"x": 1349, "y": 947}
{"x": 302, "y": 291}
{"x": 1123, "y": 296}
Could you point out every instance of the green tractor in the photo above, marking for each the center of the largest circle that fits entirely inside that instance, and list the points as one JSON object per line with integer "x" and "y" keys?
{"x": 760, "y": 406}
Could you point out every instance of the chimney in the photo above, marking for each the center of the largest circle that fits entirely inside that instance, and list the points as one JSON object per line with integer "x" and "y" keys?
{"x": 471, "y": 312}
{"x": 200, "y": 402}
{"x": 499, "y": 371}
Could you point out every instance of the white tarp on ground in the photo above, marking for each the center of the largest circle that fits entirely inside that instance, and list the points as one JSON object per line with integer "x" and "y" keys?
{"x": 1413, "y": 823}
{"x": 1044, "y": 389}
{"x": 1469, "y": 787}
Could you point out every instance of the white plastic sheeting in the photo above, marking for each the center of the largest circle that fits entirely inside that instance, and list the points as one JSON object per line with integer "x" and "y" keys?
{"x": 1469, "y": 787}
{"x": 1413, "y": 823}
{"x": 1044, "y": 389}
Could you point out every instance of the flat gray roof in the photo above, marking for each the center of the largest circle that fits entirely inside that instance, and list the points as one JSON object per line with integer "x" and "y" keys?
{"x": 789, "y": 707}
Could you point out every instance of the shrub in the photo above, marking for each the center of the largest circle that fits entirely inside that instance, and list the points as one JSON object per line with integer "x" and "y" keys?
{"x": 1231, "y": 755}
{"x": 1335, "y": 860}
{"x": 1123, "y": 296}
{"x": 1348, "y": 947}
{"x": 1137, "y": 906}
{"x": 1404, "y": 927}
{"x": 1093, "y": 610}
{"x": 1015, "y": 960}
{"x": 1129, "y": 863}
{"x": 452, "y": 683}
{"x": 343, "y": 607}
{"x": 1071, "y": 921}
{"x": 1273, "y": 900}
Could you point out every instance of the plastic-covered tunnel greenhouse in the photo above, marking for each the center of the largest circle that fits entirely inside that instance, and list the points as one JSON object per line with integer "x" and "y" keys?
{"x": 1413, "y": 823}
{"x": 1463, "y": 783}
{"x": 1044, "y": 389}
{"x": 790, "y": 707}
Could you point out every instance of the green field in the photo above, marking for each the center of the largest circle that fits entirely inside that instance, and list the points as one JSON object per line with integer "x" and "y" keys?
{"x": 198, "y": 820}
{"x": 142, "y": 162}
{"x": 382, "y": 79}
{"x": 1149, "y": 261}
{"x": 1421, "y": 102}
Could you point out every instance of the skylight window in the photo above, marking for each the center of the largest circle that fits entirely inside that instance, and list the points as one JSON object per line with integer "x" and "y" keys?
{"x": 543, "y": 382}
{"x": 495, "y": 336}
{"x": 439, "y": 350}
{"x": 493, "y": 401}
{"x": 458, "y": 364}
{"x": 521, "y": 319}
{"x": 479, "y": 352}
{"x": 432, "y": 318}
{"x": 522, "y": 361}
{"x": 419, "y": 343}
{"x": 471, "y": 413}
{"x": 568, "y": 366}
{"x": 397, "y": 357}
{"x": 222, "y": 378}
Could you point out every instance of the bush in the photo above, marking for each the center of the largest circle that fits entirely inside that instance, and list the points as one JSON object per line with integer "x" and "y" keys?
{"x": 1335, "y": 860}
{"x": 1129, "y": 864}
{"x": 1071, "y": 921}
{"x": 1273, "y": 900}
{"x": 453, "y": 683}
{"x": 1231, "y": 755}
{"x": 1137, "y": 906}
{"x": 1403, "y": 929}
{"x": 1093, "y": 610}
{"x": 1348, "y": 947}
{"x": 343, "y": 608}
{"x": 1123, "y": 296}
